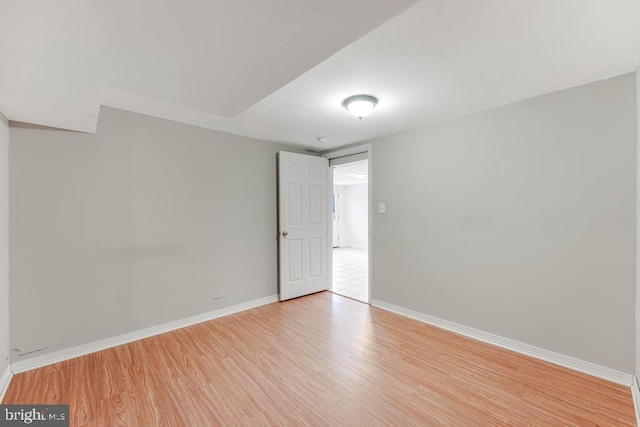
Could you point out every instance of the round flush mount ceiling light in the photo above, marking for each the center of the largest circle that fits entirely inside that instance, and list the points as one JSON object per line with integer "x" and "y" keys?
{"x": 360, "y": 175}
{"x": 360, "y": 105}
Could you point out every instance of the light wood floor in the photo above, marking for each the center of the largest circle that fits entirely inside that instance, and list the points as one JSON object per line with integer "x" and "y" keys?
{"x": 319, "y": 360}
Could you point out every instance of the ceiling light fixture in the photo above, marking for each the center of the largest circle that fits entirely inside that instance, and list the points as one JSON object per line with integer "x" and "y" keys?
{"x": 360, "y": 175}
{"x": 360, "y": 105}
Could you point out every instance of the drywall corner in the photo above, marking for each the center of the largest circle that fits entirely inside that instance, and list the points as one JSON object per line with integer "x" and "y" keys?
{"x": 5, "y": 379}
{"x": 5, "y": 371}
{"x": 637, "y": 359}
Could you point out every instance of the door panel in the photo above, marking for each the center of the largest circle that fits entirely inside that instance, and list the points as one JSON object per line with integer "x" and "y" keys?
{"x": 315, "y": 258}
{"x": 303, "y": 228}
{"x": 295, "y": 204}
{"x": 295, "y": 260}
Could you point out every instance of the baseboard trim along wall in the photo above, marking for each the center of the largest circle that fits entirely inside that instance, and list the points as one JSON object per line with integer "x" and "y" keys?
{"x": 81, "y": 350}
{"x": 5, "y": 379}
{"x": 635, "y": 394}
{"x": 526, "y": 349}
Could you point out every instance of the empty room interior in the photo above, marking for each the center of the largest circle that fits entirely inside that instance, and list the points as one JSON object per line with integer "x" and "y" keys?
{"x": 320, "y": 212}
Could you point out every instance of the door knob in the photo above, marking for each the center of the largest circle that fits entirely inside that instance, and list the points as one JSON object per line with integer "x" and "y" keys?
{"x": 285, "y": 234}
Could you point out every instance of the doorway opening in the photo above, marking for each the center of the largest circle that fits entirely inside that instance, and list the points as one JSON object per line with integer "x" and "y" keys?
{"x": 350, "y": 275}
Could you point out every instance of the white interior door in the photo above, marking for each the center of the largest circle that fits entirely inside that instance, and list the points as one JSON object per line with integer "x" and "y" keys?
{"x": 303, "y": 228}
{"x": 336, "y": 217}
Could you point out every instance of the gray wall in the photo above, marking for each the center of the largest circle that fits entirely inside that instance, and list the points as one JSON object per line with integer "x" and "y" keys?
{"x": 518, "y": 221}
{"x": 145, "y": 222}
{"x": 4, "y": 244}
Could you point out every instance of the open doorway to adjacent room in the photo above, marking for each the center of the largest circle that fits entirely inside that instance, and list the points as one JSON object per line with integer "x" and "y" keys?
{"x": 350, "y": 275}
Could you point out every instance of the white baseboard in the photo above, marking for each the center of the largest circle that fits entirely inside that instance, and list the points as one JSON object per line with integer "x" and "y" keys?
{"x": 5, "y": 380}
{"x": 635, "y": 394}
{"x": 81, "y": 350}
{"x": 526, "y": 349}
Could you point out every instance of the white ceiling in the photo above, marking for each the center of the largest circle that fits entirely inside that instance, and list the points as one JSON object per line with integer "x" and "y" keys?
{"x": 345, "y": 174}
{"x": 279, "y": 70}
{"x": 216, "y": 58}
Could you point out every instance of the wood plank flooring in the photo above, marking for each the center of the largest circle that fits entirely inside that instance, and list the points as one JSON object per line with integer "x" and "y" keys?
{"x": 319, "y": 360}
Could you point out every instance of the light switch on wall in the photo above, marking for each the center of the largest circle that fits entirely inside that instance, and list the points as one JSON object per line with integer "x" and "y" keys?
{"x": 382, "y": 208}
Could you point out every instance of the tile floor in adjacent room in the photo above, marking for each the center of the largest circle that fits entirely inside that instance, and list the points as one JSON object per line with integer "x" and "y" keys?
{"x": 351, "y": 273}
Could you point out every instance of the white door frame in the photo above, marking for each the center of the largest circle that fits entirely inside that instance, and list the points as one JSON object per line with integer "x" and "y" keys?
{"x": 364, "y": 148}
